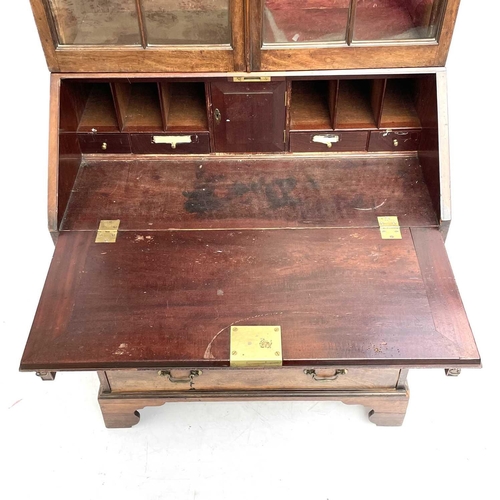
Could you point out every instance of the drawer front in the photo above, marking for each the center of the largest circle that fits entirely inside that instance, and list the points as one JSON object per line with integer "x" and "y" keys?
{"x": 104, "y": 143}
{"x": 170, "y": 143}
{"x": 328, "y": 141}
{"x": 211, "y": 379}
{"x": 395, "y": 140}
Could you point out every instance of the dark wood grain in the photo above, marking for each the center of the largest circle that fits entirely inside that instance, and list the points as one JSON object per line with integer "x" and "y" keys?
{"x": 395, "y": 140}
{"x": 70, "y": 158}
{"x": 354, "y": 105}
{"x": 385, "y": 407}
{"x": 252, "y": 116}
{"x": 426, "y": 105}
{"x": 398, "y": 107}
{"x": 342, "y": 297}
{"x": 249, "y": 193}
{"x": 227, "y": 58}
{"x": 446, "y": 305}
{"x": 188, "y": 107}
{"x": 143, "y": 112}
{"x": 311, "y": 104}
{"x": 99, "y": 113}
{"x": 104, "y": 143}
{"x": 143, "y": 144}
{"x": 348, "y": 141}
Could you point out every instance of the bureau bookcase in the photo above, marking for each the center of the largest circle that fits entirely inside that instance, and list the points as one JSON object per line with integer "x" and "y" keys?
{"x": 249, "y": 200}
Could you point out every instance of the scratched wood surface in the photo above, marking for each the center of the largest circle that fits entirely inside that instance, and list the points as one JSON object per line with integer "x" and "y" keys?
{"x": 341, "y": 297}
{"x": 249, "y": 193}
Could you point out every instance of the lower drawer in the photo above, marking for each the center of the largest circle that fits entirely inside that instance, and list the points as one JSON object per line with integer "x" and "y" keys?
{"x": 181, "y": 379}
{"x": 170, "y": 143}
{"x": 328, "y": 141}
{"x": 104, "y": 143}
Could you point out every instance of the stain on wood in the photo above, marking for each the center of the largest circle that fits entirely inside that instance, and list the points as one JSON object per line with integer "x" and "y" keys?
{"x": 250, "y": 193}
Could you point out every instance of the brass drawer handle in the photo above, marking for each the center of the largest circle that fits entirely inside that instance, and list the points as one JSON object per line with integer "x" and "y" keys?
{"x": 318, "y": 378}
{"x": 185, "y": 380}
{"x": 173, "y": 140}
{"x": 327, "y": 140}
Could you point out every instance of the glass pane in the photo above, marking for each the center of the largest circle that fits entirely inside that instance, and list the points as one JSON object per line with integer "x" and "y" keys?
{"x": 397, "y": 19}
{"x": 186, "y": 22}
{"x": 96, "y": 22}
{"x": 291, "y": 21}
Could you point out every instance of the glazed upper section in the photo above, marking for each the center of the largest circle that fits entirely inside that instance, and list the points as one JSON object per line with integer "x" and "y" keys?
{"x": 243, "y": 35}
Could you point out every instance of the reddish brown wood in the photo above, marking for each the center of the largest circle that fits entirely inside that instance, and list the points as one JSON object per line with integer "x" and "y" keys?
{"x": 347, "y": 141}
{"x": 187, "y": 110}
{"x": 99, "y": 112}
{"x": 395, "y": 140}
{"x": 143, "y": 112}
{"x": 311, "y": 104}
{"x": 209, "y": 193}
{"x": 69, "y": 164}
{"x": 104, "y": 143}
{"x": 238, "y": 34}
{"x": 377, "y": 98}
{"x": 398, "y": 108}
{"x": 341, "y": 297}
{"x": 252, "y": 116}
{"x": 386, "y": 408}
{"x": 143, "y": 144}
{"x": 446, "y": 305}
{"x": 428, "y": 149}
{"x": 354, "y": 105}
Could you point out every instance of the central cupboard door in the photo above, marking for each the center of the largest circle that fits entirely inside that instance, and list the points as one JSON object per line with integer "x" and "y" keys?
{"x": 249, "y": 117}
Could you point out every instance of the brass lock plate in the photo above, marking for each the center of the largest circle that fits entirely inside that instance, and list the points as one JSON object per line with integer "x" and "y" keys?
{"x": 255, "y": 346}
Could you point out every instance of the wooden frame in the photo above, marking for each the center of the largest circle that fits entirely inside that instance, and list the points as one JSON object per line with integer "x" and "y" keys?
{"x": 246, "y": 52}
{"x": 362, "y": 55}
{"x": 167, "y": 58}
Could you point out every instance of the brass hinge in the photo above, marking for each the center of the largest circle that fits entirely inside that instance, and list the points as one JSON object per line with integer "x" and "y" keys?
{"x": 251, "y": 79}
{"x": 255, "y": 346}
{"x": 389, "y": 228}
{"x": 108, "y": 231}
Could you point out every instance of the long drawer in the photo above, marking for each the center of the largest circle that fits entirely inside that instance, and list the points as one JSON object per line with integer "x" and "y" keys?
{"x": 181, "y": 379}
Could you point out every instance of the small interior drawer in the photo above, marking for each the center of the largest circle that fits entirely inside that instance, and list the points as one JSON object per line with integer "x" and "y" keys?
{"x": 210, "y": 379}
{"x": 104, "y": 143}
{"x": 328, "y": 141}
{"x": 179, "y": 143}
{"x": 394, "y": 140}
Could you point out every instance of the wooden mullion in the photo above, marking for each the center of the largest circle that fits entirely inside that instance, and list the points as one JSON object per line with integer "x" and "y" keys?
{"x": 254, "y": 10}
{"x": 140, "y": 19}
{"x": 238, "y": 41}
{"x": 350, "y": 22}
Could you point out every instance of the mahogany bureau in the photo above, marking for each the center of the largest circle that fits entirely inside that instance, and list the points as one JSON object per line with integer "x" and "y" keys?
{"x": 249, "y": 200}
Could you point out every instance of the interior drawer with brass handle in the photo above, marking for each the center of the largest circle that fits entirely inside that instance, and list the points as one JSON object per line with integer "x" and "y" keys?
{"x": 328, "y": 141}
{"x": 170, "y": 143}
{"x": 394, "y": 140}
{"x": 104, "y": 143}
{"x": 180, "y": 379}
